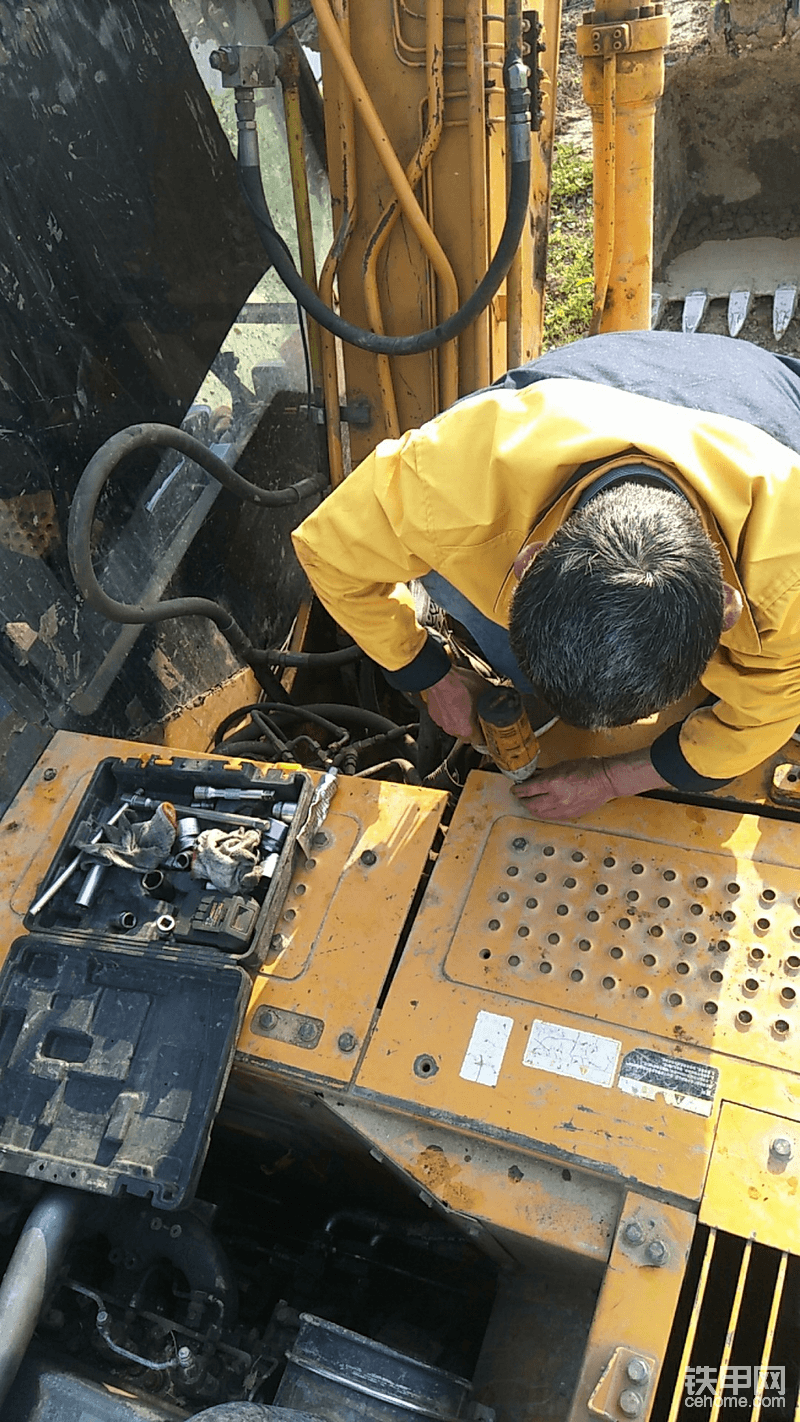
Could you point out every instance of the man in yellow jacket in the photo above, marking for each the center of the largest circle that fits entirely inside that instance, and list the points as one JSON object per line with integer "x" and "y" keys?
{"x": 612, "y": 523}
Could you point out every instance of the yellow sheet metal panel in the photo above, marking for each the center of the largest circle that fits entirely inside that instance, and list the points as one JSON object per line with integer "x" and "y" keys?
{"x": 670, "y": 941}
{"x": 520, "y": 1198}
{"x": 752, "y": 1181}
{"x": 535, "y": 998}
{"x": 632, "y": 1322}
{"x": 315, "y": 997}
{"x": 340, "y": 923}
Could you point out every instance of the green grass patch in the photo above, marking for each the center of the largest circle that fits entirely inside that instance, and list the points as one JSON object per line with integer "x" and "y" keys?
{"x": 568, "y": 303}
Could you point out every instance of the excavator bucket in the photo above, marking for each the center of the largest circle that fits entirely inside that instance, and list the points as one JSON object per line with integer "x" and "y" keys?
{"x": 726, "y": 250}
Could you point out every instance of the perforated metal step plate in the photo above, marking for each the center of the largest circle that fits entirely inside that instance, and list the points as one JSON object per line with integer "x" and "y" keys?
{"x": 596, "y": 991}
{"x": 677, "y": 943}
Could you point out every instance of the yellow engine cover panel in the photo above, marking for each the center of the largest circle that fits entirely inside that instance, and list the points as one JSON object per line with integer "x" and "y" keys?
{"x": 595, "y": 990}
{"x": 678, "y": 944}
{"x": 753, "y": 1178}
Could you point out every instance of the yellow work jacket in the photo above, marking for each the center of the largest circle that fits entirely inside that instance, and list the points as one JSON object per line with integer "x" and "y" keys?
{"x": 462, "y": 495}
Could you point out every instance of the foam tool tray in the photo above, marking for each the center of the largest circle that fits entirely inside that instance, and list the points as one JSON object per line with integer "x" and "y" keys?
{"x": 166, "y": 903}
{"x": 113, "y": 1062}
{"x": 120, "y": 1010}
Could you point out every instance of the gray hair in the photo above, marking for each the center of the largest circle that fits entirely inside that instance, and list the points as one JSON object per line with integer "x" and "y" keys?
{"x": 620, "y": 612}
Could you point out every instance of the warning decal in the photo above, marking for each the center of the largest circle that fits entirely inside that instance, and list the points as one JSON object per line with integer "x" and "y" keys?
{"x": 691, "y": 1086}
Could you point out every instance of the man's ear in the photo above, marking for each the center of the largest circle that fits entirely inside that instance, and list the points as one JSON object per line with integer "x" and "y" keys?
{"x": 733, "y": 607}
{"x": 526, "y": 557}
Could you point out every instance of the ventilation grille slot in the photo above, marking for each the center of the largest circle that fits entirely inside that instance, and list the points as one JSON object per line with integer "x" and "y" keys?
{"x": 734, "y": 1350}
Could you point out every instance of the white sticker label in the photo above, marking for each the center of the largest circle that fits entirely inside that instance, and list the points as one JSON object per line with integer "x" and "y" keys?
{"x": 646, "y": 1092}
{"x": 566, "y": 1052}
{"x": 487, "y": 1047}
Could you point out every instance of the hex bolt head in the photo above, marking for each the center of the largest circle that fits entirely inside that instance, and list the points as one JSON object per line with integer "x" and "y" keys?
{"x": 630, "y": 1403}
{"x": 520, "y": 842}
{"x": 637, "y": 1370}
{"x": 307, "y": 1031}
{"x": 347, "y": 1042}
{"x": 633, "y": 1233}
{"x": 320, "y": 839}
{"x": 656, "y": 1252}
{"x": 369, "y": 857}
{"x": 50, "y": 773}
{"x": 781, "y": 1148}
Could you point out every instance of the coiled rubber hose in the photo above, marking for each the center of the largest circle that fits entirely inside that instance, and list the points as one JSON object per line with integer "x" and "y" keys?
{"x": 516, "y": 216}
{"x": 81, "y": 517}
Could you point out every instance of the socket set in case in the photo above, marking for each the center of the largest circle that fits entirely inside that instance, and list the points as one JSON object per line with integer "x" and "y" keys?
{"x": 120, "y": 1009}
{"x": 187, "y": 853}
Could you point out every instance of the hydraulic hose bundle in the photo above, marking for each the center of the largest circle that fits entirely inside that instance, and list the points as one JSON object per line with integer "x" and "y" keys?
{"x": 136, "y": 437}
{"x": 518, "y": 100}
{"x": 81, "y": 518}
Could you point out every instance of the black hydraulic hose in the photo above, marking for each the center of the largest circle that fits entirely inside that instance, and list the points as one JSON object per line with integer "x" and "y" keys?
{"x": 516, "y": 216}
{"x": 347, "y": 715}
{"x": 275, "y": 658}
{"x": 81, "y": 517}
{"x": 297, "y": 713}
{"x": 31, "y": 1274}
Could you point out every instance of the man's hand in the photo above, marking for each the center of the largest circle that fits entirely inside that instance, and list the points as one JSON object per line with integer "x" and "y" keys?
{"x": 566, "y": 791}
{"x": 574, "y": 788}
{"x": 451, "y": 702}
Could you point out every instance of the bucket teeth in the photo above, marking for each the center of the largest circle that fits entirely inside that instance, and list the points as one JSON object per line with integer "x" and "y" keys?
{"x": 738, "y": 307}
{"x": 783, "y": 305}
{"x": 694, "y": 309}
{"x": 656, "y": 302}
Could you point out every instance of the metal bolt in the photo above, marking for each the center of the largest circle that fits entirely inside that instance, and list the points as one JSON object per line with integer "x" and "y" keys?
{"x": 630, "y": 1402}
{"x": 369, "y": 857}
{"x": 223, "y": 61}
{"x": 320, "y": 839}
{"x": 520, "y": 842}
{"x": 637, "y": 1370}
{"x": 266, "y": 1018}
{"x": 656, "y": 1251}
{"x": 307, "y": 1031}
{"x": 155, "y": 1224}
{"x": 50, "y": 773}
{"x": 347, "y": 1042}
{"x": 781, "y": 1148}
{"x": 276, "y": 942}
{"x": 634, "y": 1234}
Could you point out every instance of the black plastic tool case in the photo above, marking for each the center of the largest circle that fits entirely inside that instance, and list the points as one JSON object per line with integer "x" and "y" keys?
{"x": 116, "y": 1042}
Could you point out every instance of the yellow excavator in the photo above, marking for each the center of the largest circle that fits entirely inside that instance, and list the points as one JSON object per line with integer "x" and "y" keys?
{"x": 331, "y": 1084}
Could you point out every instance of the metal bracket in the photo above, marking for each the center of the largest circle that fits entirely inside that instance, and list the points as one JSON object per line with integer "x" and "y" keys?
{"x": 597, "y": 37}
{"x": 610, "y": 39}
{"x": 532, "y": 47}
{"x": 245, "y": 66}
{"x": 357, "y": 412}
{"x": 285, "y": 1026}
{"x": 624, "y": 1387}
{"x": 785, "y": 787}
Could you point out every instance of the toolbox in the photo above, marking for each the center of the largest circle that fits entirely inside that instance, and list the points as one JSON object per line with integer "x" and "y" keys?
{"x": 120, "y": 1008}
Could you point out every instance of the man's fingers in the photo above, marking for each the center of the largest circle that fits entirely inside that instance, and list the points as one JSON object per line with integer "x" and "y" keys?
{"x": 530, "y": 790}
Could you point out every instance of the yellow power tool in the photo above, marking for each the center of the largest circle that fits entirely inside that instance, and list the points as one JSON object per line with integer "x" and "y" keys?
{"x": 508, "y": 735}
